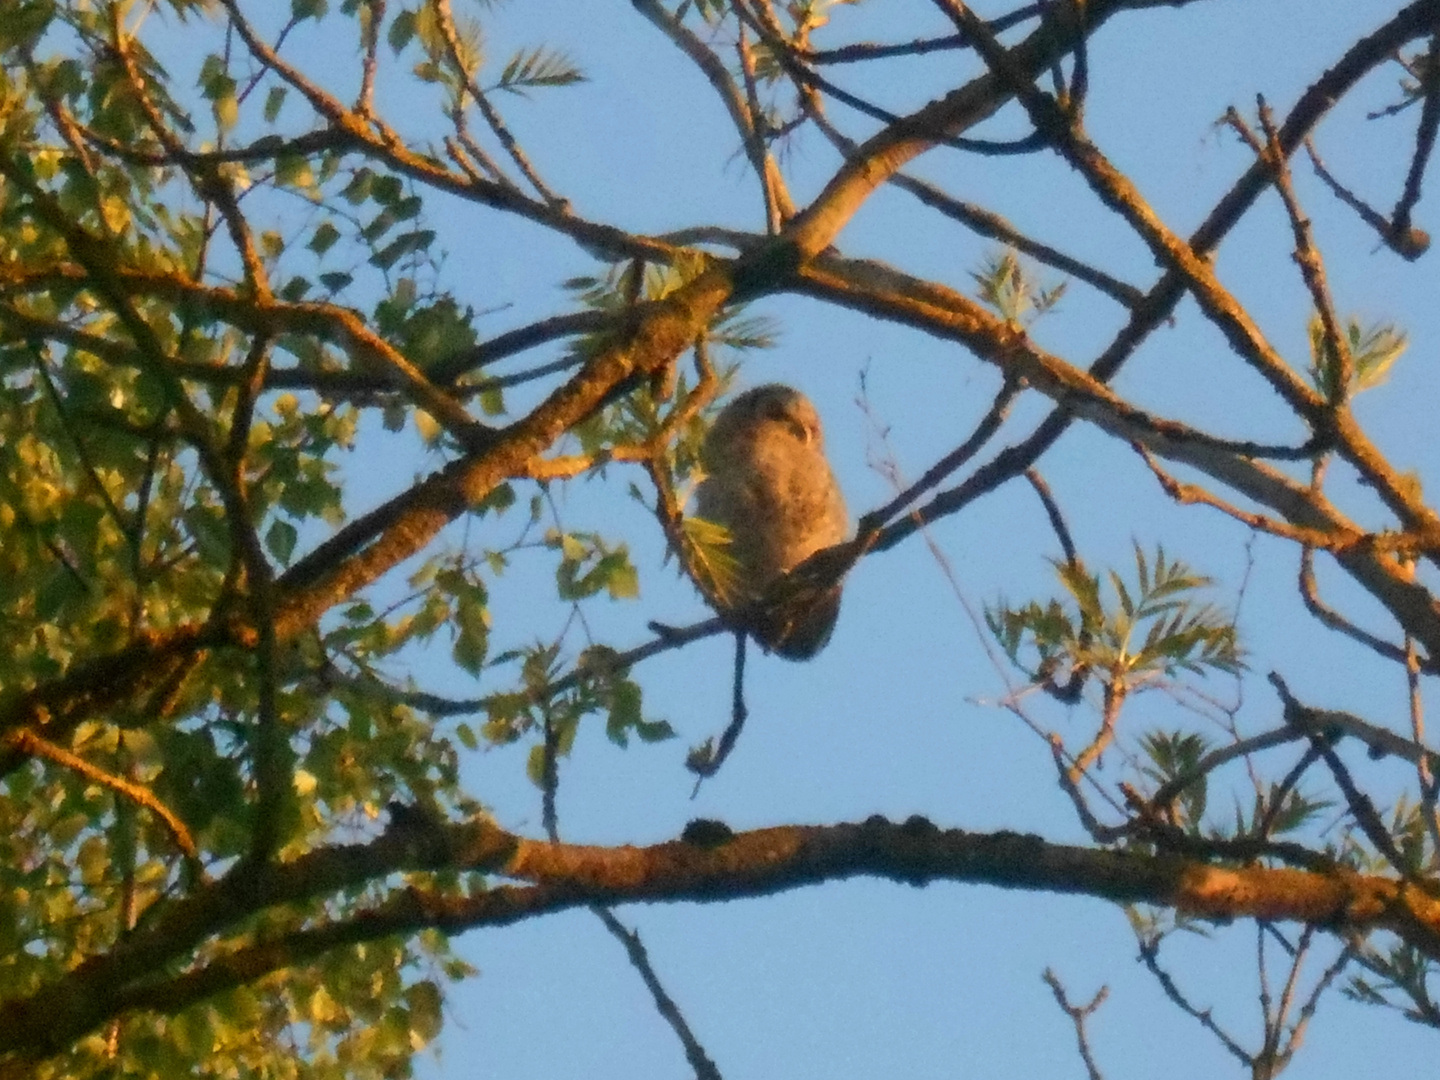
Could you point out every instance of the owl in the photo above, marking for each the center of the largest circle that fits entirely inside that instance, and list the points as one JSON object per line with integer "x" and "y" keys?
{"x": 768, "y": 483}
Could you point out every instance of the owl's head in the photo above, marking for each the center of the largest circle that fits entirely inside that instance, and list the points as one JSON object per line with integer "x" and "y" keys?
{"x": 773, "y": 409}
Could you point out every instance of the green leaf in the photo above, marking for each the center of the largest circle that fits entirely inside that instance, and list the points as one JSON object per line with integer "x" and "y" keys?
{"x": 1373, "y": 351}
{"x": 385, "y": 189}
{"x": 360, "y": 187}
{"x": 622, "y": 581}
{"x": 535, "y": 764}
{"x": 625, "y": 714}
{"x": 24, "y": 24}
{"x": 538, "y": 67}
{"x": 324, "y": 237}
{"x": 402, "y": 31}
{"x": 293, "y": 170}
{"x": 654, "y": 730}
{"x": 424, "y": 1000}
{"x": 280, "y": 540}
{"x": 275, "y": 101}
{"x": 401, "y": 246}
{"x": 472, "y": 631}
{"x": 227, "y": 112}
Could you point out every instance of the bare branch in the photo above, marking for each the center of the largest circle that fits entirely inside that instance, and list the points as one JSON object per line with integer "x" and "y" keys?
{"x": 1078, "y": 1014}
{"x": 1409, "y": 243}
{"x": 1424, "y": 141}
{"x": 1150, "y": 956}
{"x": 664, "y": 1004}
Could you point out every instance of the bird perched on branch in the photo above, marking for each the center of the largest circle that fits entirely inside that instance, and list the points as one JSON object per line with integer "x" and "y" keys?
{"x": 768, "y": 484}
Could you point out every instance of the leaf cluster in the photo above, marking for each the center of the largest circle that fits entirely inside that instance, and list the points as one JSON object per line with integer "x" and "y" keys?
{"x": 1128, "y": 636}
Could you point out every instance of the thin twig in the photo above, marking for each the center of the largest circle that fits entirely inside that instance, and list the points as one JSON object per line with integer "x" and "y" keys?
{"x": 1329, "y": 617}
{"x": 988, "y": 425}
{"x": 27, "y": 742}
{"x": 1078, "y": 1015}
{"x": 1424, "y": 773}
{"x": 446, "y": 23}
{"x": 1149, "y": 955}
{"x": 705, "y": 761}
{"x": 1193, "y": 494}
{"x": 1057, "y": 519}
{"x": 705, "y": 1069}
{"x": 1409, "y": 243}
{"x": 1424, "y": 140}
{"x": 1173, "y": 788}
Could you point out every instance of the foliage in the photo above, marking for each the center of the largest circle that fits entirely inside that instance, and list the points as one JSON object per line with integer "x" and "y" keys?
{"x": 1006, "y": 286}
{"x": 1372, "y": 351}
{"x": 1151, "y": 630}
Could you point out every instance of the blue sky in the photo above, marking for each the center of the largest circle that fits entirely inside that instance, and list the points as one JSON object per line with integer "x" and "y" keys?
{"x": 897, "y": 716}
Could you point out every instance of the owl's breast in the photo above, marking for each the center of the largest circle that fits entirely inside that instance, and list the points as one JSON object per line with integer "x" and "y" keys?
{"x": 780, "y": 503}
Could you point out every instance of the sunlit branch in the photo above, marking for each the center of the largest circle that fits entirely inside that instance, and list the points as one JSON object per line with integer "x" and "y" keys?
{"x": 1328, "y": 616}
{"x": 1307, "y": 255}
{"x": 1423, "y": 773}
{"x": 729, "y": 865}
{"x": 987, "y": 223}
{"x": 27, "y": 742}
{"x": 1069, "y": 779}
{"x": 1194, "y": 495}
{"x": 482, "y": 101}
{"x": 744, "y": 118}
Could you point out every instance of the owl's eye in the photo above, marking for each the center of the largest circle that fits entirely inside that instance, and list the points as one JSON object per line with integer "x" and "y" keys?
{"x": 781, "y": 413}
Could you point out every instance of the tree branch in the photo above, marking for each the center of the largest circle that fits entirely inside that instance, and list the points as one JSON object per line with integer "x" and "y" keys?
{"x": 716, "y": 866}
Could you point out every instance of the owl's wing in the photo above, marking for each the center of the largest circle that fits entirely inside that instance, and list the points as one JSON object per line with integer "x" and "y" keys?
{"x": 799, "y": 626}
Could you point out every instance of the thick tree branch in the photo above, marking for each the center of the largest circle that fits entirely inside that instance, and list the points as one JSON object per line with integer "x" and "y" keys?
{"x": 715, "y": 865}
